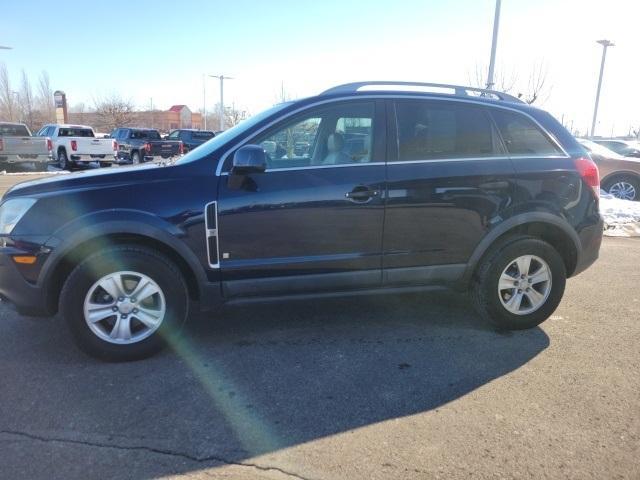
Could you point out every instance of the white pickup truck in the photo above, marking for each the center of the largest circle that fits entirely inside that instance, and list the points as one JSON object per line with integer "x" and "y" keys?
{"x": 74, "y": 145}
{"x": 18, "y": 147}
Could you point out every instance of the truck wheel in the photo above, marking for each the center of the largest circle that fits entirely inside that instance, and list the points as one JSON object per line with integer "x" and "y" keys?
{"x": 105, "y": 164}
{"x": 519, "y": 285}
{"x": 63, "y": 160}
{"x": 135, "y": 158}
{"x": 124, "y": 303}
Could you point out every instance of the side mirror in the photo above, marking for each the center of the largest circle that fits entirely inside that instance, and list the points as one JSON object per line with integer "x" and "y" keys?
{"x": 249, "y": 159}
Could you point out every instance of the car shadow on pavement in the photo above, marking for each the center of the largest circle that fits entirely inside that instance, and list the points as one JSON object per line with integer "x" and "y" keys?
{"x": 255, "y": 379}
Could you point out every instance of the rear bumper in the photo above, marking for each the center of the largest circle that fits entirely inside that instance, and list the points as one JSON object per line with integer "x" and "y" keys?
{"x": 11, "y": 158}
{"x": 590, "y": 239}
{"x": 86, "y": 158}
{"x": 29, "y": 299}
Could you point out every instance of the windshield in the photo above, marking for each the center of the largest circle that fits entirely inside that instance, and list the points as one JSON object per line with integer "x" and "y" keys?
{"x": 228, "y": 135}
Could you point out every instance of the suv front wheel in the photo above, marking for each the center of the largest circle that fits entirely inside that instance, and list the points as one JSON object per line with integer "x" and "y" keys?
{"x": 124, "y": 303}
{"x": 519, "y": 285}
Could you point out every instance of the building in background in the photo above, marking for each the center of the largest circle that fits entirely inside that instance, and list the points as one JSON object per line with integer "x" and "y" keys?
{"x": 178, "y": 116}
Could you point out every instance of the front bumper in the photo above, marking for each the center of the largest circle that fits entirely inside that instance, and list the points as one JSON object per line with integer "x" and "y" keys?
{"x": 18, "y": 283}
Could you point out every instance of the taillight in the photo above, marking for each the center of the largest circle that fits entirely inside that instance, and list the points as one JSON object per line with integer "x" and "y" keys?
{"x": 1, "y": 145}
{"x": 49, "y": 144}
{"x": 589, "y": 172}
{"x": 181, "y": 148}
{"x": 115, "y": 146}
{"x": 74, "y": 145}
{"x": 147, "y": 147}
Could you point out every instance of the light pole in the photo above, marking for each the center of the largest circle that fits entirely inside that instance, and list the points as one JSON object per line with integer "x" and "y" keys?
{"x": 204, "y": 100}
{"x": 605, "y": 44}
{"x": 494, "y": 44}
{"x": 222, "y": 78}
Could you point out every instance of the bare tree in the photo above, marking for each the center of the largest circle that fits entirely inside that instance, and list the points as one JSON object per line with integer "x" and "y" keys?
{"x": 29, "y": 113}
{"x": 8, "y": 107}
{"x": 45, "y": 99}
{"x": 113, "y": 111}
{"x": 503, "y": 81}
{"x": 535, "y": 90}
{"x": 80, "y": 109}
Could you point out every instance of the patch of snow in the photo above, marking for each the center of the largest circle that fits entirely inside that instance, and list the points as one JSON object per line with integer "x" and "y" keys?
{"x": 20, "y": 174}
{"x": 621, "y": 217}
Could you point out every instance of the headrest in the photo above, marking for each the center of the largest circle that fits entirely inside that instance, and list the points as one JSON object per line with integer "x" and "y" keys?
{"x": 335, "y": 142}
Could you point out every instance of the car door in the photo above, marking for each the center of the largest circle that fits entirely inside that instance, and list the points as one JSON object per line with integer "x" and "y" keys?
{"x": 449, "y": 180}
{"x": 313, "y": 220}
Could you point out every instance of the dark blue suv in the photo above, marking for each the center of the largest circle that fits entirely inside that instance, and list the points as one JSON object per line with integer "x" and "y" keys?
{"x": 367, "y": 188}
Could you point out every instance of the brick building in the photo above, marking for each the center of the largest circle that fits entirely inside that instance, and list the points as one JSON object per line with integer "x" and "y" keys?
{"x": 178, "y": 116}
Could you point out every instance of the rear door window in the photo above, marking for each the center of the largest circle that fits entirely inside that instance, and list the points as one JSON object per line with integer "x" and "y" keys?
{"x": 522, "y": 136}
{"x": 432, "y": 130}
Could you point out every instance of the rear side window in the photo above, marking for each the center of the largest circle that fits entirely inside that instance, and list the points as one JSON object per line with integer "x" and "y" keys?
{"x": 522, "y": 136}
{"x": 441, "y": 130}
{"x": 202, "y": 135}
{"x": 75, "y": 132}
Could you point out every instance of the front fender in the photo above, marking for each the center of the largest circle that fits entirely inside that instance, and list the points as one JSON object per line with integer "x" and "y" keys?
{"x": 114, "y": 222}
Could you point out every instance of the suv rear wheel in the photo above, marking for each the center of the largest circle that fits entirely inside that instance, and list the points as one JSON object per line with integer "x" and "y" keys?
{"x": 624, "y": 187}
{"x": 124, "y": 303}
{"x": 520, "y": 284}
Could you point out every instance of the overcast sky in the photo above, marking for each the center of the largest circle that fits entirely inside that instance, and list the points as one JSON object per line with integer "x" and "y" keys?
{"x": 144, "y": 50}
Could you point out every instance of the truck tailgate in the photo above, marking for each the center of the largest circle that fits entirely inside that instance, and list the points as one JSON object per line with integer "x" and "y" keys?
{"x": 24, "y": 146}
{"x": 165, "y": 149}
{"x": 93, "y": 146}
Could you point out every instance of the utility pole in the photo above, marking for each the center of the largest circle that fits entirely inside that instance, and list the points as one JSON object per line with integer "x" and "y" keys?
{"x": 605, "y": 44}
{"x": 494, "y": 44}
{"x": 204, "y": 100}
{"x": 222, "y": 78}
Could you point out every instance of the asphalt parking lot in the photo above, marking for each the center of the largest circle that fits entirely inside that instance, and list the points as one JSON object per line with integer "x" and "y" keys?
{"x": 414, "y": 386}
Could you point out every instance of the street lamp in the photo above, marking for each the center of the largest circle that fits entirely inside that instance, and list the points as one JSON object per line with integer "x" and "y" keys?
{"x": 494, "y": 44}
{"x": 222, "y": 78}
{"x": 605, "y": 44}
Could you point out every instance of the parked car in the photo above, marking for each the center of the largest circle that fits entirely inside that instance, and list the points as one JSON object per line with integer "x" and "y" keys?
{"x": 467, "y": 189}
{"x": 622, "y": 147}
{"x": 136, "y": 145}
{"x": 75, "y": 145}
{"x": 19, "y": 147}
{"x": 620, "y": 175}
{"x": 191, "y": 138}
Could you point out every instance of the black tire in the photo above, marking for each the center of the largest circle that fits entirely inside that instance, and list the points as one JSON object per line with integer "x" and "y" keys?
{"x": 135, "y": 158}
{"x": 629, "y": 179}
{"x": 125, "y": 258}
{"x": 63, "y": 160}
{"x": 105, "y": 164}
{"x": 485, "y": 293}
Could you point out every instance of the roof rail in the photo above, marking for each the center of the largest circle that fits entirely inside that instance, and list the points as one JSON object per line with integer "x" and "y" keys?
{"x": 457, "y": 89}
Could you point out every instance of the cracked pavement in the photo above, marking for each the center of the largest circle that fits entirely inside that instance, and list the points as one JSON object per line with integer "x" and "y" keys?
{"x": 384, "y": 387}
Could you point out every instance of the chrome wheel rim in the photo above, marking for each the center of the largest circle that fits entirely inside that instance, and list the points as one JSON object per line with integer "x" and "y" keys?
{"x": 623, "y": 190}
{"x": 524, "y": 285}
{"x": 124, "y": 307}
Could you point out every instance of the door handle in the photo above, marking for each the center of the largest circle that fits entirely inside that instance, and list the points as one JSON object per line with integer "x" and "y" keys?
{"x": 362, "y": 194}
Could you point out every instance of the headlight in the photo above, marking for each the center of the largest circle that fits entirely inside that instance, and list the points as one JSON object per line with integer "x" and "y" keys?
{"x": 12, "y": 211}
